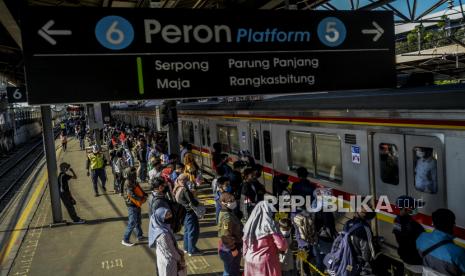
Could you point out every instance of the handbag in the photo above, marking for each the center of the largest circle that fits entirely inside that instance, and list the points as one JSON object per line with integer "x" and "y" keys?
{"x": 199, "y": 210}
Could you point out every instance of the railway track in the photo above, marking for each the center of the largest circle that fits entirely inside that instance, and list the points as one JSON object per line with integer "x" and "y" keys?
{"x": 15, "y": 170}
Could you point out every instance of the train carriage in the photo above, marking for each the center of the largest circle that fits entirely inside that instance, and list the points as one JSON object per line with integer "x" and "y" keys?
{"x": 342, "y": 138}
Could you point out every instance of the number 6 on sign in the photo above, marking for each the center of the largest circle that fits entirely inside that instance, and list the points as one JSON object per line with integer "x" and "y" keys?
{"x": 115, "y": 36}
{"x": 331, "y": 32}
{"x": 114, "y": 32}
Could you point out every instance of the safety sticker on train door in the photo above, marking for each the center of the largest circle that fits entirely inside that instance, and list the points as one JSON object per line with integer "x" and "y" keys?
{"x": 355, "y": 154}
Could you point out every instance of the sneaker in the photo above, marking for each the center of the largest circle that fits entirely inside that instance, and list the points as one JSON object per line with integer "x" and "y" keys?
{"x": 125, "y": 243}
{"x": 80, "y": 221}
{"x": 185, "y": 251}
{"x": 195, "y": 253}
{"x": 96, "y": 195}
{"x": 142, "y": 238}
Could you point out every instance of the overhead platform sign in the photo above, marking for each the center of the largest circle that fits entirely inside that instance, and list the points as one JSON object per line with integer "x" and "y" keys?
{"x": 91, "y": 55}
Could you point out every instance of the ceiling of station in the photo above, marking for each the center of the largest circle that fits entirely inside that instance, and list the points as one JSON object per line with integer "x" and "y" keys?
{"x": 405, "y": 11}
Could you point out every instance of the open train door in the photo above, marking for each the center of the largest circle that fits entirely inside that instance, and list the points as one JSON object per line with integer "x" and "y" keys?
{"x": 389, "y": 177}
{"x": 256, "y": 145}
{"x": 205, "y": 145}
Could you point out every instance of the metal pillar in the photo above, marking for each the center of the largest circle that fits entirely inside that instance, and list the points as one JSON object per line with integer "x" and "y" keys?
{"x": 50, "y": 156}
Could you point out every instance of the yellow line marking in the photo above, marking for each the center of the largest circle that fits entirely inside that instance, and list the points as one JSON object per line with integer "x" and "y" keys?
{"x": 22, "y": 220}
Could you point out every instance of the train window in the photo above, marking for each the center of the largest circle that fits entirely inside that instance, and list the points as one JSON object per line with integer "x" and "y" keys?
{"x": 267, "y": 146}
{"x": 229, "y": 139}
{"x": 328, "y": 157}
{"x": 234, "y": 140}
{"x": 389, "y": 163}
{"x": 301, "y": 151}
{"x": 188, "y": 131}
{"x": 425, "y": 164}
{"x": 256, "y": 144}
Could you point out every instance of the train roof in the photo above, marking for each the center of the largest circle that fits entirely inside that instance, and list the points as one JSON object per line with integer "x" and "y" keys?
{"x": 428, "y": 97}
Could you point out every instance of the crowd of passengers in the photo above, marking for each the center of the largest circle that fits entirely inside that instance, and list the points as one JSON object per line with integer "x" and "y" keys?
{"x": 248, "y": 228}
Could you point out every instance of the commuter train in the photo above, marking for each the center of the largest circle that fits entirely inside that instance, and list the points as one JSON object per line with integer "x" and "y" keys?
{"x": 17, "y": 125}
{"x": 384, "y": 142}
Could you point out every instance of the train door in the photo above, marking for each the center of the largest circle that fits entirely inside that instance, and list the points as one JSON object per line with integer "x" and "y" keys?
{"x": 425, "y": 173}
{"x": 256, "y": 145}
{"x": 408, "y": 165}
{"x": 267, "y": 162}
{"x": 389, "y": 176}
{"x": 205, "y": 144}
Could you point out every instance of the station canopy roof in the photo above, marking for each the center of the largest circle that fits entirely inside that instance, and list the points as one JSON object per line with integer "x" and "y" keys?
{"x": 408, "y": 15}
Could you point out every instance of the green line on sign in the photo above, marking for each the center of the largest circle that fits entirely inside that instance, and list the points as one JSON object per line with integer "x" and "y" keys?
{"x": 140, "y": 76}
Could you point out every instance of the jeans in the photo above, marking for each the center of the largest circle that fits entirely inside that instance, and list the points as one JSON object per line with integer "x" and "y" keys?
{"x": 135, "y": 220}
{"x": 82, "y": 143}
{"x": 232, "y": 265}
{"x": 191, "y": 232}
{"x": 95, "y": 175}
{"x": 143, "y": 171}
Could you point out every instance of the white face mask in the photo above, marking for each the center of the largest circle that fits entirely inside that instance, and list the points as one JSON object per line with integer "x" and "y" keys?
{"x": 286, "y": 233}
{"x": 232, "y": 205}
{"x": 420, "y": 154}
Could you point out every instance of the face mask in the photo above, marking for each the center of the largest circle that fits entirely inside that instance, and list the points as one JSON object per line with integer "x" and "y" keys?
{"x": 286, "y": 234}
{"x": 166, "y": 189}
{"x": 420, "y": 154}
{"x": 169, "y": 220}
{"x": 232, "y": 205}
{"x": 228, "y": 189}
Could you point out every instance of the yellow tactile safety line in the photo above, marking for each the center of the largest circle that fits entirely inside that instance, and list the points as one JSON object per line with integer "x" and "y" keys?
{"x": 22, "y": 220}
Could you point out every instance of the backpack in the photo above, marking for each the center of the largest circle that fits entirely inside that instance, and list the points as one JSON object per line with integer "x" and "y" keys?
{"x": 306, "y": 226}
{"x": 341, "y": 260}
{"x": 179, "y": 214}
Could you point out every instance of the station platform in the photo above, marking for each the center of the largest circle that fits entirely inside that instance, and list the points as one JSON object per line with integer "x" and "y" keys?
{"x": 93, "y": 248}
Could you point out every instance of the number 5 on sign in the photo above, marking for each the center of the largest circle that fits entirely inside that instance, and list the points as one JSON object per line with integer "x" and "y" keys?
{"x": 331, "y": 32}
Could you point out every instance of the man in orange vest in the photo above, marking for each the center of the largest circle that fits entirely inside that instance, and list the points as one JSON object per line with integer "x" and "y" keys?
{"x": 135, "y": 198}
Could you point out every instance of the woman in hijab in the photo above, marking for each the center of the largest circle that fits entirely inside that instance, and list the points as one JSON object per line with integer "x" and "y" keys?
{"x": 170, "y": 259}
{"x": 262, "y": 243}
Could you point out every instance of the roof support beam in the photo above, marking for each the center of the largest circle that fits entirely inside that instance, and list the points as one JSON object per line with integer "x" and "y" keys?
{"x": 315, "y": 4}
{"x": 375, "y": 5}
{"x": 273, "y": 4}
{"x": 432, "y": 8}
{"x": 7, "y": 20}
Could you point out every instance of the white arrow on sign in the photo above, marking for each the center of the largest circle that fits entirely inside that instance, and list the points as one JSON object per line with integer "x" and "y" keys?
{"x": 378, "y": 31}
{"x": 46, "y": 33}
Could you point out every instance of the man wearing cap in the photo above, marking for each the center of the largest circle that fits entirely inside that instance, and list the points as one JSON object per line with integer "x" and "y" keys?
{"x": 407, "y": 230}
{"x": 65, "y": 193}
{"x": 96, "y": 162}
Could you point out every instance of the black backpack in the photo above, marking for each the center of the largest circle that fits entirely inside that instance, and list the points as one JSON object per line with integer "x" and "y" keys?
{"x": 178, "y": 211}
{"x": 179, "y": 214}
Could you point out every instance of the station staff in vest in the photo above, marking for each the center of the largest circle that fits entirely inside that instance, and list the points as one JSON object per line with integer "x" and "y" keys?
{"x": 96, "y": 163}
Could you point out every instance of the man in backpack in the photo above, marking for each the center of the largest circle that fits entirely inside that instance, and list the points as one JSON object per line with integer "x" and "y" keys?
{"x": 135, "y": 198}
{"x": 65, "y": 193}
{"x": 361, "y": 240}
{"x": 191, "y": 222}
{"x": 438, "y": 249}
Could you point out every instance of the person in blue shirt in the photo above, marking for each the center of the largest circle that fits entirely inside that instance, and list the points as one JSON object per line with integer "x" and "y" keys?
{"x": 437, "y": 248}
